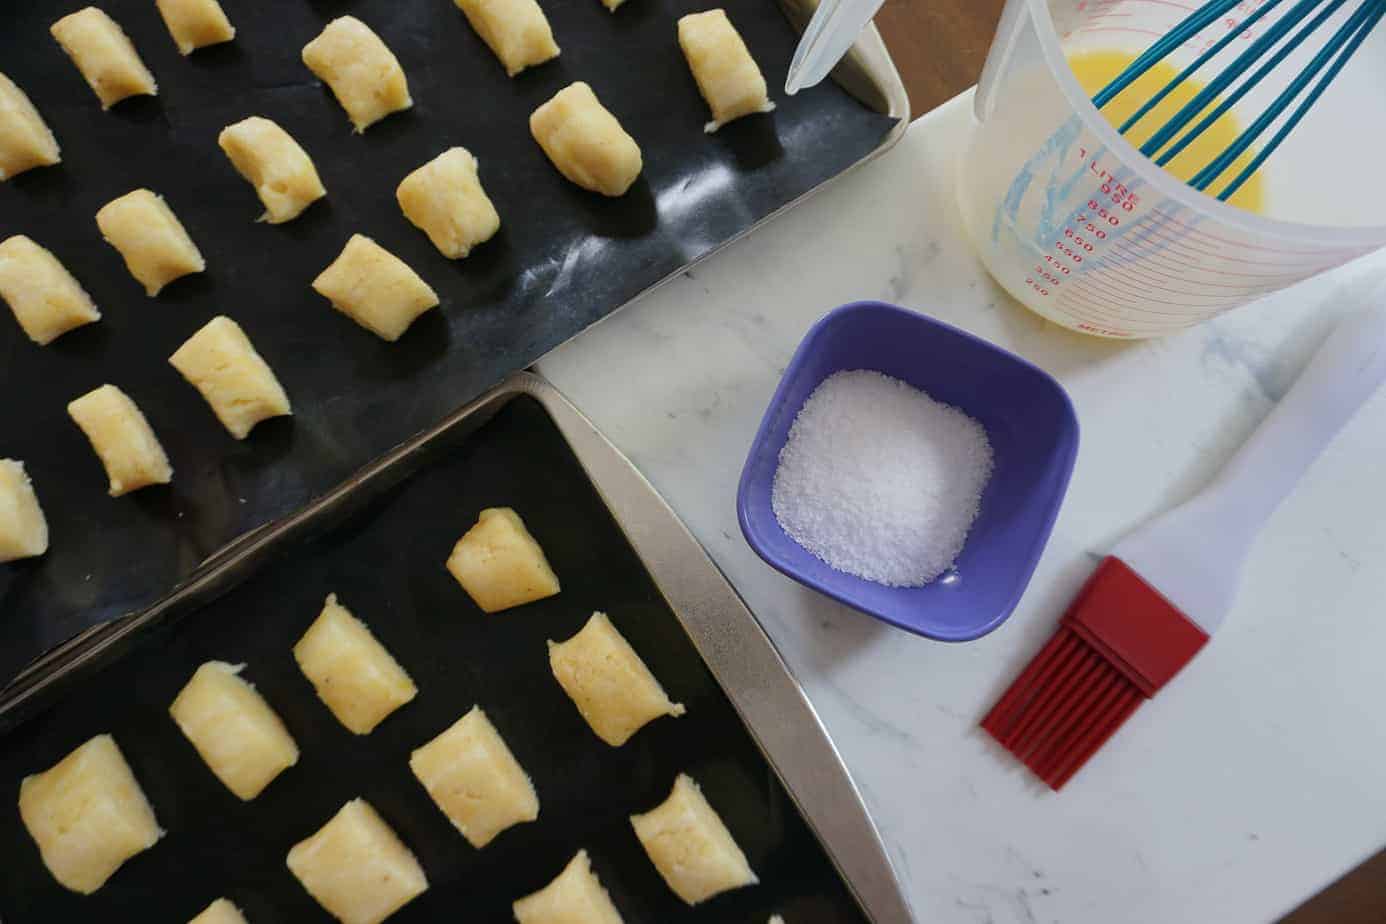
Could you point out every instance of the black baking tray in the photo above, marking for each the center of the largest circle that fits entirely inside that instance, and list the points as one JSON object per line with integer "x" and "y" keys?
{"x": 563, "y": 259}
{"x": 383, "y": 554}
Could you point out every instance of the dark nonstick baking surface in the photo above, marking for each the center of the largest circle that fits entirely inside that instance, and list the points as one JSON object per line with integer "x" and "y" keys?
{"x": 385, "y": 561}
{"x": 563, "y": 259}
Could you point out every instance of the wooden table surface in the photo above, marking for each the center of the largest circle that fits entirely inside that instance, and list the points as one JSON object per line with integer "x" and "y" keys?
{"x": 939, "y": 47}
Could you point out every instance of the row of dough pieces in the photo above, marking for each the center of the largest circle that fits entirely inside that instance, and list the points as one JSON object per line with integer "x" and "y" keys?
{"x": 89, "y": 815}
{"x": 580, "y": 136}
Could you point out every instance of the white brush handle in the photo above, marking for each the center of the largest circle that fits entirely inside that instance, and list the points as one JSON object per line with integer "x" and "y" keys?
{"x": 1194, "y": 553}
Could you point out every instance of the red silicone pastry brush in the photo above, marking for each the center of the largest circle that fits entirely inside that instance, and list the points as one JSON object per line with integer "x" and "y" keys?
{"x": 1154, "y": 602}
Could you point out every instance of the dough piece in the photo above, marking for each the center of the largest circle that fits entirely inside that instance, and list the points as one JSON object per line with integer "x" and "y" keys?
{"x": 46, "y": 301}
{"x": 105, "y": 56}
{"x": 575, "y": 897}
{"x": 364, "y": 75}
{"x": 690, "y": 846}
{"x": 122, "y": 439}
{"x": 88, "y": 815}
{"x": 220, "y": 362}
{"x": 25, "y": 139}
{"x": 499, "y": 564}
{"x": 357, "y": 867}
{"x": 23, "y": 527}
{"x": 151, "y": 239}
{"x": 273, "y": 162}
{"x": 585, "y": 142}
{"x": 444, "y": 199}
{"x": 607, "y": 681}
{"x": 196, "y": 24}
{"x": 472, "y": 776}
{"x": 375, "y": 288}
{"x": 727, "y": 75}
{"x": 353, "y": 674}
{"x": 775, "y": 919}
{"x": 233, "y": 729}
{"x": 220, "y": 911}
{"x": 516, "y": 31}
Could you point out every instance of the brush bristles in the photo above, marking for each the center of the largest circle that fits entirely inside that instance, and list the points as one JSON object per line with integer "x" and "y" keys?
{"x": 1062, "y": 708}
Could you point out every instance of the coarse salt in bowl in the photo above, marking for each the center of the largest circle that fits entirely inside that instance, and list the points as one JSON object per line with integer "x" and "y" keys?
{"x": 1030, "y": 424}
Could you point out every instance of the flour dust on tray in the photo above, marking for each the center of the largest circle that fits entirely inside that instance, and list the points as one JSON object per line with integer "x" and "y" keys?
{"x": 879, "y": 480}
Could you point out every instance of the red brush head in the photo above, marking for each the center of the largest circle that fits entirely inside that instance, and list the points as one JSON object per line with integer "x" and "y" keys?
{"x": 1133, "y": 626}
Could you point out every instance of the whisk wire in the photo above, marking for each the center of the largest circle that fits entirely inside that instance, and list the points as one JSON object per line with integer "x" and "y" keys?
{"x": 1190, "y": 26}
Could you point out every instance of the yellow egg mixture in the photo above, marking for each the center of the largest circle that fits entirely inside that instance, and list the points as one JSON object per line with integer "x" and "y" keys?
{"x": 1096, "y": 69}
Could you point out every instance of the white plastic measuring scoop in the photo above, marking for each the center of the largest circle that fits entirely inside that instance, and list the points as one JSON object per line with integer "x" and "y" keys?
{"x": 835, "y": 25}
{"x": 1080, "y": 227}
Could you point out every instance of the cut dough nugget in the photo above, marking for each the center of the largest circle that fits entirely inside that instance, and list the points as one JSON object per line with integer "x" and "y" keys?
{"x": 150, "y": 238}
{"x": 357, "y": 867}
{"x": 220, "y": 911}
{"x": 46, "y": 301}
{"x": 233, "y": 729}
{"x": 516, "y": 31}
{"x": 444, "y": 199}
{"x": 575, "y": 897}
{"x": 273, "y": 162}
{"x": 474, "y": 778}
{"x": 105, "y": 56}
{"x": 122, "y": 439}
{"x": 25, "y": 139}
{"x": 23, "y": 527}
{"x": 364, "y": 75}
{"x": 375, "y": 288}
{"x": 353, "y": 674}
{"x": 585, "y": 142}
{"x": 220, "y": 362}
{"x": 607, "y": 681}
{"x": 88, "y": 815}
{"x": 499, "y": 564}
{"x": 727, "y": 75}
{"x": 196, "y": 24}
{"x": 690, "y": 846}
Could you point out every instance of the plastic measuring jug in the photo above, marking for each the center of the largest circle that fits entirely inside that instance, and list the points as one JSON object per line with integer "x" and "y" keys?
{"x": 1083, "y": 229}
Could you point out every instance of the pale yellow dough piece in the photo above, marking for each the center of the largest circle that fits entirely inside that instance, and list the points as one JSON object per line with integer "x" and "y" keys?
{"x": 585, "y": 142}
{"x": 150, "y": 238}
{"x": 25, "y": 139}
{"x": 196, "y": 24}
{"x": 364, "y": 75}
{"x": 220, "y": 362}
{"x": 105, "y": 56}
{"x": 46, "y": 300}
{"x": 353, "y": 674}
{"x": 516, "y": 31}
{"x": 444, "y": 199}
{"x": 122, "y": 439}
{"x": 220, "y": 911}
{"x": 499, "y": 564}
{"x": 375, "y": 288}
{"x": 88, "y": 815}
{"x": 23, "y": 527}
{"x": 575, "y": 897}
{"x": 473, "y": 777}
{"x": 233, "y": 729}
{"x": 275, "y": 164}
{"x": 775, "y": 919}
{"x": 357, "y": 867}
{"x": 691, "y": 847}
{"x": 607, "y": 681}
{"x": 727, "y": 75}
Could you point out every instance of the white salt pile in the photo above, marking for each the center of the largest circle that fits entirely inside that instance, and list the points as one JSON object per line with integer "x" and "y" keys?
{"x": 879, "y": 480}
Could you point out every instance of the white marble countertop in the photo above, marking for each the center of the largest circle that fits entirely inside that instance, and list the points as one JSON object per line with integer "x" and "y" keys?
{"x": 1249, "y": 783}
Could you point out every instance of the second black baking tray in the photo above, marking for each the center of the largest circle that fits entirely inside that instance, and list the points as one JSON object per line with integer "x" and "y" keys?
{"x": 379, "y": 543}
{"x": 563, "y": 259}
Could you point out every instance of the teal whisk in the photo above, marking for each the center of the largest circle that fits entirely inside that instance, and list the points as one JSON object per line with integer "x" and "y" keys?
{"x": 1282, "y": 36}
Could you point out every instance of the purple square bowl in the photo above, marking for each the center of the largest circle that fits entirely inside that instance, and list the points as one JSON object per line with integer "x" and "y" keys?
{"x": 1034, "y": 437}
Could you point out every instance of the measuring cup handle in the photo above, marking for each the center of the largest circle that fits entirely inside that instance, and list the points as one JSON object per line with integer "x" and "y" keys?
{"x": 1014, "y": 18}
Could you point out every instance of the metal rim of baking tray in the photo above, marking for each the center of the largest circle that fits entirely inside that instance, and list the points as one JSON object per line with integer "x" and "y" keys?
{"x": 742, "y": 658}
